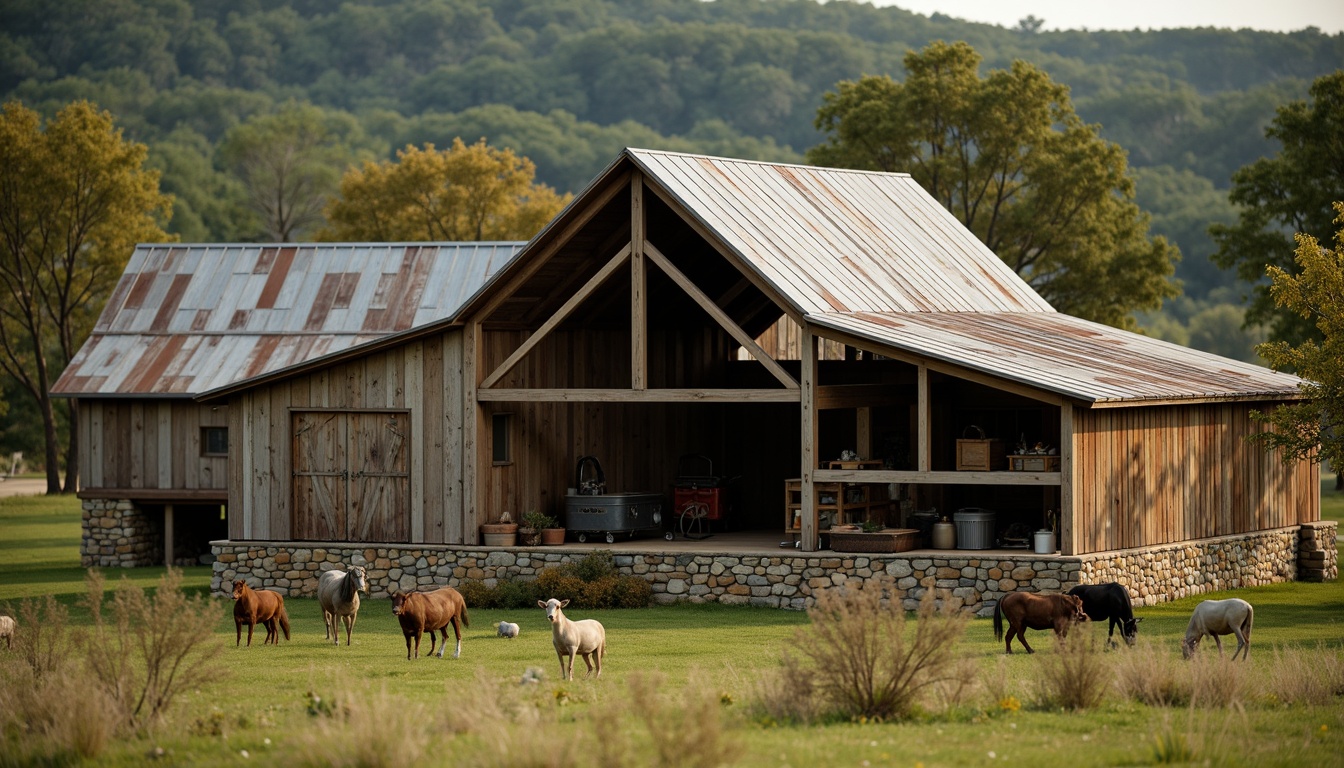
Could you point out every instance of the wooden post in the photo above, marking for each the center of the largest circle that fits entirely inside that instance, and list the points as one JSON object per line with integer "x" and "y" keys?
{"x": 639, "y": 367}
{"x": 923, "y": 460}
{"x": 808, "y": 439}
{"x": 472, "y": 427}
{"x": 1068, "y": 531}
{"x": 863, "y": 432}
{"x": 167, "y": 535}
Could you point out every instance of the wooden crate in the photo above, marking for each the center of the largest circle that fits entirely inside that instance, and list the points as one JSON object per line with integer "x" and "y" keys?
{"x": 984, "y": 455}
{"x": 1033, "y": 463}
{"x": 885, "y": 540}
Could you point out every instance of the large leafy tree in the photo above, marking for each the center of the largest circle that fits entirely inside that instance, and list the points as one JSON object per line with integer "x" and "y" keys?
{"x": 1284, "y": 195}
{"x": 1314, "y": 427}
{"x": 74, "y": 201}
{"x": 1007, "y": 155}
{"x": 471, "y": 192}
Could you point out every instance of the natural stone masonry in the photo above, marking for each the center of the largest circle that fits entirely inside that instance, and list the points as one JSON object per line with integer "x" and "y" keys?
{"x": 1317, "y": 552}
{"x": 117, "y": 534}
{"x": 1153, "y": 575}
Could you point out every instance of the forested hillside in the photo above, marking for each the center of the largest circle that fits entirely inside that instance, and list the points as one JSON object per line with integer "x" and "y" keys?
{"x": 567, "y": 83}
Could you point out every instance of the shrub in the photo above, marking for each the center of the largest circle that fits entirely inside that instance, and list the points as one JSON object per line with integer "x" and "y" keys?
{"x": 54, "y": 718}
{"x": 515, "y": 594}
{"x": 1216, "y": 682}
{"x": 688, "y": 732}
{"x": 594, "y": 566}
{"x": 476, "y": 594}
{"x": 1076, "y": 675}
{"x": 786, "y": 694}
{"x": 153, "y": 648}
{"x": 41, "y": 639}
{"x": 366, "y": 729}
{"x": 1306, "y": 676}
{"x": 559, "y": 583}
{"x": 1151, "y": 676}
{"x": 867, "y": 663}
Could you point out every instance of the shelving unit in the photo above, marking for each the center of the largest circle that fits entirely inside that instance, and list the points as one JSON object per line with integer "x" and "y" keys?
{"x": 837, "y": 504}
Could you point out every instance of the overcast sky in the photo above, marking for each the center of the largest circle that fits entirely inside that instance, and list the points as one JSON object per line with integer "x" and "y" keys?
{"x": 1274, "y": 15}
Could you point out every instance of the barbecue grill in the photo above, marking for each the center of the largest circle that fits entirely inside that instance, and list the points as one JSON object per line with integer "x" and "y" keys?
{"x": 594, "y": 511}
{"x": 699, "y": 496}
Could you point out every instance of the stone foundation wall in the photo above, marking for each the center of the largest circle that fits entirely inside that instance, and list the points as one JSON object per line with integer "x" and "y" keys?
{"x": 1153, "y": 575}
{"x": 117, "y": 534}
{"x": 1318, "y": 553}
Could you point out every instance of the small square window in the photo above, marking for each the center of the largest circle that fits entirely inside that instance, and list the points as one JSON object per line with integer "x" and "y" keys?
{"x": 214, "y": 441}
{"x": 501, "y": 424}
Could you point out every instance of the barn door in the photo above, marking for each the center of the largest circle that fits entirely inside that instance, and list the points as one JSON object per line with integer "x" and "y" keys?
{"x": 350, "y": 476}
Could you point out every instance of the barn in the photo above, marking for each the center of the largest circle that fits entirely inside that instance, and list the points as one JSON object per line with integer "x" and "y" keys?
{"x": 184, "y": 319}
{"x": 652, "y": 320}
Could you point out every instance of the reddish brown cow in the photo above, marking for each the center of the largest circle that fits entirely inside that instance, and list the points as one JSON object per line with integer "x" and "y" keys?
{"x": 259, "y": 606}
{"x": 1026, "y": 610}
{"x": 431, "y": 612}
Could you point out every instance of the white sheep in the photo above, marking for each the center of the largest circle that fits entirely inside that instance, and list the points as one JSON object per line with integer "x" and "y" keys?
{"x": 506, "y": 629}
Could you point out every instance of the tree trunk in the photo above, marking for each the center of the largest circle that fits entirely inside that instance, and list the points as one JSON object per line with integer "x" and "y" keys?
{"x": 72, "y": 450}
{"x": 1339, "y": 480}
{"x": 53, "y": 442}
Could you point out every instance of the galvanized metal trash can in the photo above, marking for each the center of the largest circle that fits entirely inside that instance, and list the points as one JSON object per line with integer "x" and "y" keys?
{"x": 975, "y": 528}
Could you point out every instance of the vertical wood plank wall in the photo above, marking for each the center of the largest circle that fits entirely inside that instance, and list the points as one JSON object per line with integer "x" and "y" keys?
{"x": 149, "y": 444}
{"x": 1159, "y": 475}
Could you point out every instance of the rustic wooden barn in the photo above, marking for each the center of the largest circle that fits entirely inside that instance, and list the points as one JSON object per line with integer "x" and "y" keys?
{"x": 627, "y": 330}
{"x": 185, "y": 319}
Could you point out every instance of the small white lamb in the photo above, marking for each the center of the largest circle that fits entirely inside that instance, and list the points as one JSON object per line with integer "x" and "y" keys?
{"x": 507, "y": 630}
{"x": 7, "y": 627}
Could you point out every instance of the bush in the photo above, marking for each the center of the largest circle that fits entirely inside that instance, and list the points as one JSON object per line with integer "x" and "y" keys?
{"x": 365, "y": 729}
{"x": 1076, "y": 676}
{"x": 476, "y": 594}
{"x": 1312, "y": 677}
{"x": 866, "y": 662}
{"x": 52, "y": 718}
{"x": 594, "y": 566}
{"x": 1148, "y": 675}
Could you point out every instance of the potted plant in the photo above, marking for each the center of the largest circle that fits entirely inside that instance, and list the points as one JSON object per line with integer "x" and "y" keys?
{"x": 552, "y": 533}
{"x": 533, "y": 523}
{"x": 503, "y": 533}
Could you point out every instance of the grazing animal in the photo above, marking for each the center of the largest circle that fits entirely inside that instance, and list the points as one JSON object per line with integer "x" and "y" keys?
{"x": 259, "y": 606}
{"x": 7, "y": 627}
{"x": 1109, "y": 601}
{"x": 338, "y": 592}
{"x": 507, "y": 630}
{"x": 586, "y": 638}
{"x": 1232, "y": 616}
{"x": 431, "y": 612}
{"x": 1026, "y": 610}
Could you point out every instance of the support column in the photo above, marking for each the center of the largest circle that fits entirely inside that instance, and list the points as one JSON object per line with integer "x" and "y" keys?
{"x": 808, "y": 439}
{"x": 167, "y": 534}
{"x": 472, "y": 427}
{"x": 639, "y": 367}
{"x": 1068, "y": 531}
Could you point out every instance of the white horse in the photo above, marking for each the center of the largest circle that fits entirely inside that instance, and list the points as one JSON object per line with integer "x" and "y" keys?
{"x": 586, "y": 638}
{"x": 7, "y": 627}
{"x": 1220, "y": 617}
{"x": 338, "y": 592}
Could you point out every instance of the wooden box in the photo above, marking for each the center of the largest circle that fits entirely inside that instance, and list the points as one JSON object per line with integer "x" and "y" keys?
{"x": 1033, "y": 462}
{"x": 885, "y": 540}
{"x": 980, "y": 454}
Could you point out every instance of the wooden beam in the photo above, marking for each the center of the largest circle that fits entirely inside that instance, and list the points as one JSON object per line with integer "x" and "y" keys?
{"x": 637, "y": 396}
{"x": 177, "y": 495}
{"x": 923, "y": 458}
{"x": 936, "y": 478}
{"x": 558, "y": 317}
{"x": 639, "y": 287}
{"x": 863, "y": 431}
{"x": 807, "y": 448}
{"x": 531, "y": 318}
{"x": 473, "y": 426}
{"x": 557, "y": 240}
{"x": 709, "y": 237}
{"x": 833, "y": 396}
{"x": 168, "y": 535}
{"x": 720, "y": 317}
{"x": 1068, "y": 543}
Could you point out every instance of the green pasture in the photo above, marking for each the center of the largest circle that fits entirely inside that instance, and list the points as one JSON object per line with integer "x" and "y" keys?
{"x": 263, "y": 702}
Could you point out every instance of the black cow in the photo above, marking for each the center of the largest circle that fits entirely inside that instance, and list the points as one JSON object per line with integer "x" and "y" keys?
{"x": 1109, "y": 601}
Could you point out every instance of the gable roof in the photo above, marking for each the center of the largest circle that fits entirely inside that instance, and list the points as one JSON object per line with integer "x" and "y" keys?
{"x": 184, "y": 319}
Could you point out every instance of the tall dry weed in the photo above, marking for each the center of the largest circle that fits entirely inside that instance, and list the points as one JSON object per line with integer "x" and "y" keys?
{"x": 362, "y": 728}
{"x": 869, "y": 662}
{"x": 1217, "y": 682}
{"x": 1077, "y": 675}
{"x": 685, "y": 731}
{"x": 41, "y": 639}
{"x": 786, "y": 694}
{"x": 1310, "y": 676}
{"x": 1152, "y": 676}
{"x": 53, "y": 717}
{"x": 150, "y": 648}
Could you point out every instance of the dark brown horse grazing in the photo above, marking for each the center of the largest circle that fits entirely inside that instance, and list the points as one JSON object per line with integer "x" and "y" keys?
{"x": 259, "y": 606}
{"x": 1026, "y": 610}
{"x": 430, "y": 612}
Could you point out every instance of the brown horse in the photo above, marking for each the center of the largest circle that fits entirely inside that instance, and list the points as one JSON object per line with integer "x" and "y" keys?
{"x": 431, "y": 612}
{"x": 259, "y": 606}
{"x": 1026, "y": 610}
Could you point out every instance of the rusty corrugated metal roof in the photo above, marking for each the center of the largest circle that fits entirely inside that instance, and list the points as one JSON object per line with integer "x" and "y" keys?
{"x": 189, "y": 318}
{"x": 832, "y": 240}
{"x": 1075, "y": 358}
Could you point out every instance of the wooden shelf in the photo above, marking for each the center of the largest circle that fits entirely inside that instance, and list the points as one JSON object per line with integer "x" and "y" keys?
{"x": 836, "y": 504}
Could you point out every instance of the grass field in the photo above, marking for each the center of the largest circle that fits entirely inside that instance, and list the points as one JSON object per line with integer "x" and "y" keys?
{"x": 260, "y": 710}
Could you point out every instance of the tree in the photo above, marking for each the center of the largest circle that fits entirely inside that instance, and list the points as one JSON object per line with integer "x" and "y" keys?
{"x": 289, "y": 164}
{"x": 465, "y": 193}
{"x": 74, "y": 201}
{"x": 1312, "y": 428}
{"x": 1286, "y": 194}
{"x": 1007, "y": 155}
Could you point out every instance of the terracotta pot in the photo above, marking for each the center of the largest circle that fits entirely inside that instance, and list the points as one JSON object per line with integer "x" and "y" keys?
{"x": 499, "y": 534}
{"x": 552, "y": 536}
{"x": 529, "y": 537}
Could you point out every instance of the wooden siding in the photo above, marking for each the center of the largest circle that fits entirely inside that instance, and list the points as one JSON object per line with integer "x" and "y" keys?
{"x": 1159, "y": 475}
{"x": 149, "y": 444}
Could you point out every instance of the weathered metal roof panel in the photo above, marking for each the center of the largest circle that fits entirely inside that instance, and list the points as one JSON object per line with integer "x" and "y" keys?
{"x": 1058, "y": 353}
{"x": 185, "y": 319}
{"x": 833, "y": 240}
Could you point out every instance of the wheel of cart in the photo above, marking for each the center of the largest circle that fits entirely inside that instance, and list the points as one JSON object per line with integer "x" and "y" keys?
{"x": 692, "y": 521}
